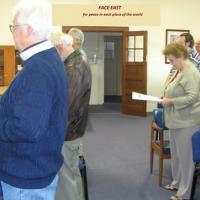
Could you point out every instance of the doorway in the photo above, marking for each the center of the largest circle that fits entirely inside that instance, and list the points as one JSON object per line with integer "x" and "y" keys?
{"x": 133, "y": 68}
{"x": 112, "y": 68}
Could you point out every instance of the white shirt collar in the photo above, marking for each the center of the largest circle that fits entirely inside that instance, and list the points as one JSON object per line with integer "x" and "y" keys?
{"x": 35, "y": 49}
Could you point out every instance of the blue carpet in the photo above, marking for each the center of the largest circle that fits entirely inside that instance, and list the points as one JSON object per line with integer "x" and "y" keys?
{"x": 116, "y": 149}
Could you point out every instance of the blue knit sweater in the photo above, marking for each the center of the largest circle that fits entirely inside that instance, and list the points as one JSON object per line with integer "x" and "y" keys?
{"x": 33, "y": 116}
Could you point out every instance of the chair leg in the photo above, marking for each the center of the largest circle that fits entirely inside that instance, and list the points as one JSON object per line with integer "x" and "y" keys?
{"x": 83, "y": 172}
{"x": 160, "y": 170}
{"x": 151, "y": 150}
{"x": 151, "y": 159}
{"x": 85, "y": 185}
{"x": 193, "y": 185}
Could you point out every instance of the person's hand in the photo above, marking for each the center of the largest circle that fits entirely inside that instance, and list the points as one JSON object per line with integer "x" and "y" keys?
{"x": 166, "y": 102}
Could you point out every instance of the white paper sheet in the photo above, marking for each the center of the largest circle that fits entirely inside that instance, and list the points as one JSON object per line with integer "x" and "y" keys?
{"x": 144, "y": 97}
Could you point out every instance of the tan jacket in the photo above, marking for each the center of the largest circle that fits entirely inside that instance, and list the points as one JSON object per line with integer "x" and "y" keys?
{"x": 185, "y": 92}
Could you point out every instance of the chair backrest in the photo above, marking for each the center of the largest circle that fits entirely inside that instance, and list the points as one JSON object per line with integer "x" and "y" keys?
{"x": 159, "y": 105}
{"x": 158, "y": 117}
{"x": 196, "y": 146}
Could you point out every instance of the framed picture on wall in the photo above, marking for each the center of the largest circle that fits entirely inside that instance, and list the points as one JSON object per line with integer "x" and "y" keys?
{"x": 171, "y": 35}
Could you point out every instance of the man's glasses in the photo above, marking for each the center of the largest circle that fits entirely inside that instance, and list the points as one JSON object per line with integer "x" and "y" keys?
{"x": 12, "y": 27}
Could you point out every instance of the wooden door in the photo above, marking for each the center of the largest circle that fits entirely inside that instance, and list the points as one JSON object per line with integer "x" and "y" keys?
{"x": 134, "y": 71}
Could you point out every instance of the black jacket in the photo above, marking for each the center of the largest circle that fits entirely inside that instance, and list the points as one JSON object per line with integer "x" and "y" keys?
{"x": 79, "y": 88}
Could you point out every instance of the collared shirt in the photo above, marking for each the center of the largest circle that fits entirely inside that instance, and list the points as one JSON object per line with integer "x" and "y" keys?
{"x": 195, "y": 58}
{"x": 35, "y": 48}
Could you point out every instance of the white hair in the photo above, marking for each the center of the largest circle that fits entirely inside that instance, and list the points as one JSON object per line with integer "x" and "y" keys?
{"x": 77, "y": 35}
{"x": 60, "y": 38}
{"x": 37, "y": 14}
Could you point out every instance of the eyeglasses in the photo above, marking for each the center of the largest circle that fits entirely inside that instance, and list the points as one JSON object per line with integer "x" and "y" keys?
{"x": 12, "y": 27}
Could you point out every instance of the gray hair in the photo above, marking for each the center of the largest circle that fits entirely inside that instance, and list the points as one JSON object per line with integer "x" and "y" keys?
{"x": 35, "y": 13}
{"x": 60, "y": 38}
{"x": 77, "y": 35}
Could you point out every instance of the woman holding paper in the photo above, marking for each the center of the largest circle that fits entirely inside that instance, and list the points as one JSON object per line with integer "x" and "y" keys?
{"x": 181, "y": 103}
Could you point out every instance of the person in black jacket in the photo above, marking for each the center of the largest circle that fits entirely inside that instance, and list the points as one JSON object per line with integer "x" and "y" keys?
{"x": 79, "y": 87}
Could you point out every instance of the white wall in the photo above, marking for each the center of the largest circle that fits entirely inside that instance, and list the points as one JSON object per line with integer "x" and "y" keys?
{"x": 94, "y": 47}
{"x": 6, "y": 19}
{"x": 175, "y": 14}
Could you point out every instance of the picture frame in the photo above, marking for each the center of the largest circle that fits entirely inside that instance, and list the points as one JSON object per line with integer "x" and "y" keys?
{"x": 171, "y": 35}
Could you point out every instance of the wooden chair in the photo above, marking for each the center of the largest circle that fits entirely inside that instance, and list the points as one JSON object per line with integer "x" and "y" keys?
{"x": 159, "y": 146}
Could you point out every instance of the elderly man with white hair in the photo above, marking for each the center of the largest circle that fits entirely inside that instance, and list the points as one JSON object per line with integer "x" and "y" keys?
{"x": 78, "y": 37}
{"x": 79, "y": 86}
{"x": 78, "y": 40}
{"x": 33, "y": 110}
